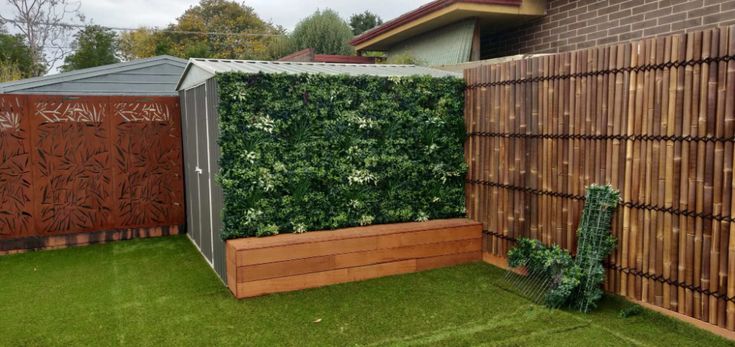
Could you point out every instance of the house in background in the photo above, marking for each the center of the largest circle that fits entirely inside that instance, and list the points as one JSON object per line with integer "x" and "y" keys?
{"x": 309, "y": 56}
{"x": 449, "y": 32}
{"x": 446, "y": 32}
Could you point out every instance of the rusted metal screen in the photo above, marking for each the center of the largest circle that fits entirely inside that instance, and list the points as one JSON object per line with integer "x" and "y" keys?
{"x": 656, "y": 120}
{"x": 78, "y": 164}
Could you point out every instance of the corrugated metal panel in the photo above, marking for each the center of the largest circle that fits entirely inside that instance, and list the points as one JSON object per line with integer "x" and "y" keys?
{"x": 451, "y": 44}
{"x": 155, "y": 76}
{"x": 199, "y": 70}
{"x": 204, "y": 196}
{"x": 217, "y": 195}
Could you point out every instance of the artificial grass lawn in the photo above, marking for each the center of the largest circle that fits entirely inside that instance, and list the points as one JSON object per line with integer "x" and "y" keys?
{"x": 160, "y": 291}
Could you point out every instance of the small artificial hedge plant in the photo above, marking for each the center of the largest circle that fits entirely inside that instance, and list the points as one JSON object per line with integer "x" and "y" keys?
{"x": 575, "y": 281}
{"x": 313, "y": 152}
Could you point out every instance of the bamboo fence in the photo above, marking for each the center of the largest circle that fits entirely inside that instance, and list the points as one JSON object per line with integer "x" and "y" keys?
{"x": 656, "y": 120}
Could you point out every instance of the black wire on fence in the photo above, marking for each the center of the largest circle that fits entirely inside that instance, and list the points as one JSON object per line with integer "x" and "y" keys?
{"x": 639, "y": 273}
{"x": 640, "y": 68}
{"x": 629, "y": 204}
{"x": 600, "y": 137}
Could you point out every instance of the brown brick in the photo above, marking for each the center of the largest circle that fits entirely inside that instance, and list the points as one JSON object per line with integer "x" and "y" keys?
{"x": 703, "y": 11}
{"x": 661, "y": 29}
{"x": 620, "y": 14}
{"x": 728, "y": 5}
{"x": 619, "y": 30}
{"x": 631, "y": 19}
{"x": 645, "y": 8}
{"x": 688, "y": 6}
{"x": 658, "y": 13}
{"x": 645, "y": 24}
{"x": 632, "y": 35}
{"x": 689, "y": 23}
{"x": 676, "y": 17}
{"x": 718, "y": 17}
{"x": 582, "y": 24}
{"x": 608, "y": 10}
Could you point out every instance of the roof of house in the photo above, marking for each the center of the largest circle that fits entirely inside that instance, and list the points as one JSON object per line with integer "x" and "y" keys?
{"x": 309, "y": 55}
{"x": 443, "y": 12}
{"x": 200, "y": 70}
{"x": 156, "y": 76}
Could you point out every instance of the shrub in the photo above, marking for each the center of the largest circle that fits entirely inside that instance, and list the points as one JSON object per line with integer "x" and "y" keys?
{"x": 574, "y": 282}
{"x": 313, "y": 152}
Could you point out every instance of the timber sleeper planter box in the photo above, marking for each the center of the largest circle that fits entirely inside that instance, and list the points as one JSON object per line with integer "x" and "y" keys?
{"x": 258, "y": 266}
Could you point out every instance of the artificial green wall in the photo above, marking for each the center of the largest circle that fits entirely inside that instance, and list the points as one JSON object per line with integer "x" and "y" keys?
{"x": 313, "y": 152}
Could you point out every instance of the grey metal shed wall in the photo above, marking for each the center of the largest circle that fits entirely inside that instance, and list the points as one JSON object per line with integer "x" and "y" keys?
{"x": 204, "y": 196}
{"x": 218, "y": 199}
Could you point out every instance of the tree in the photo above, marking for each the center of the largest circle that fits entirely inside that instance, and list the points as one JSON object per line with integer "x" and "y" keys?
{"x": 142, "y": 43}
{"x": 324, "y": 31}
{"x": 9, "y": 72}
{"x": 362, "y": 22}
{"x": 46, "y": 27}
{"x": 15, "y": 58}
{"x": 93, "y": 46}
{"x": 211, "y": 29}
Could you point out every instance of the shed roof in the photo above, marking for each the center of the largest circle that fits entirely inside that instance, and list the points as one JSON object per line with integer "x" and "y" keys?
{"x": 156, "y": 76}
{"x": 200, "y": 70}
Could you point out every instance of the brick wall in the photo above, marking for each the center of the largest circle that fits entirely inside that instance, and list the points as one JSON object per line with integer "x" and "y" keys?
{"x": 570, "y": 25}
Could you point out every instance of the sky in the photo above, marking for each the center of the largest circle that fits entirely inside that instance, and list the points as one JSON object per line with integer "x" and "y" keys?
{"x": 159, "y": 13}
{"x": 135, "y": 13}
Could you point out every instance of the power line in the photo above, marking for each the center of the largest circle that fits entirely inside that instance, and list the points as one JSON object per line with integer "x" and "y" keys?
{"x": 154, "y": 29}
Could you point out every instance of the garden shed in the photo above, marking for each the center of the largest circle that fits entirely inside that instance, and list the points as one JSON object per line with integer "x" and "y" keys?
{"x": 156, "y": 76}
{"x": 199, "y": 90}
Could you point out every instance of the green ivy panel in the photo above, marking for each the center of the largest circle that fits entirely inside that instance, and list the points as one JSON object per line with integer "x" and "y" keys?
{"x": 314, "y": 152}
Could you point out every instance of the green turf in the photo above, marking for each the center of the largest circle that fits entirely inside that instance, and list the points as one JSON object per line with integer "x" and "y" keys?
{"x": 160, "y": 292}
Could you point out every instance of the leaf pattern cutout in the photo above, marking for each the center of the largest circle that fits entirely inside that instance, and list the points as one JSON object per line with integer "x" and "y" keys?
{"x": 15, "y": 173}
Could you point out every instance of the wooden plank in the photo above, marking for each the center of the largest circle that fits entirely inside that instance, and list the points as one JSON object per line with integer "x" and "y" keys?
{"x": 332, "y": 262}
{"x": 320, "y": 279}
{"x": 231, "y": 266}
{"x": 373, "y": 230}
{"x": 356, "y": 244}
{"x": 447, "y": 260}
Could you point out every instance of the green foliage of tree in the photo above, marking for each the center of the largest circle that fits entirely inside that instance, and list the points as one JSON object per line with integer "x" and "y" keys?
{"x": 362, "y": 22}
{"x": 9, "y": 72}
{"x": 93, "y": 46}
{"x": 404, "y": 59}
{"x": 241, "y": 34}
{"x": 16, "y": 58}
{"x": 314, "y": 152}
{"x": 324, "y": 31}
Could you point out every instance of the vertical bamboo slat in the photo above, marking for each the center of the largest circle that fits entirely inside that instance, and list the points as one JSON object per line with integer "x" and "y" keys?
{"x": 655, "y": 119}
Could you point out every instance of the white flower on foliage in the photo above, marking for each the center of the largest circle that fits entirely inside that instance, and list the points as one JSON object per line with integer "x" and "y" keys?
{"x": 444, "y": 175}
{"x": 435, "y": 199}
{"x": 366, "y": 219}
{"x": 250, "y": 157}
{"x": 362, "y": 122}
{"x": 433, "y": 147}
{"x": 355, "y": 203}
{"x": 422, "y": 216}
{"x": 396, "y": 79}
{"x": 264, "y": 123}
{"x": 361, "y": 177}
{"x": 279, "y": 167}
{"x": 251, "y": 215}
{"x": 352, "y": 150}
{"x": 266, "y": 182}
{"x": 299, "y": 228}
